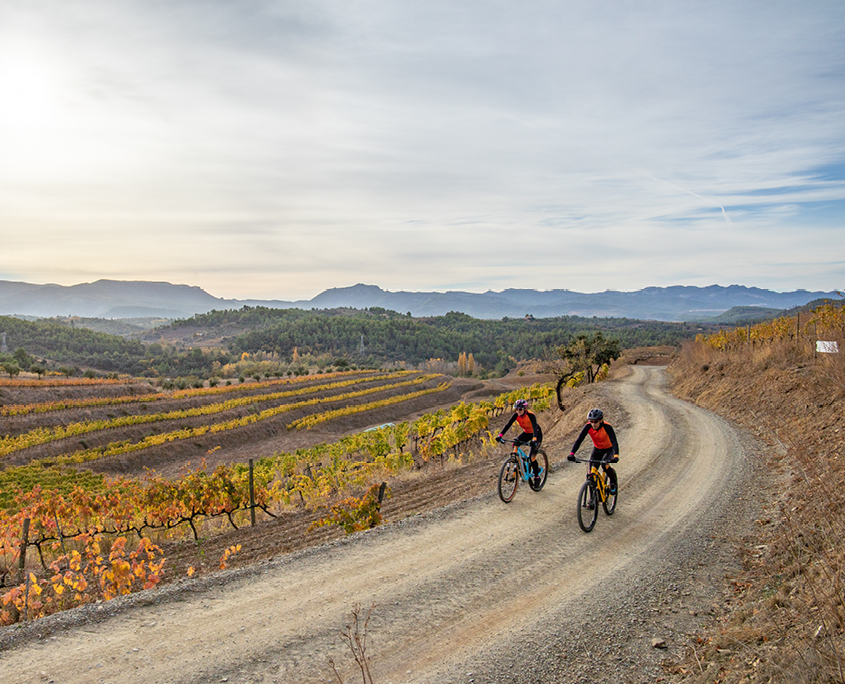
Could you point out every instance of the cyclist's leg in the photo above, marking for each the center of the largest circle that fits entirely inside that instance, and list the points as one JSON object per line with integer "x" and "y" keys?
{"x": 542, "y": 472}
{"x": 526, "y": 438}
{"x": 595, "y": 455}
{"x": 535, "y": 464}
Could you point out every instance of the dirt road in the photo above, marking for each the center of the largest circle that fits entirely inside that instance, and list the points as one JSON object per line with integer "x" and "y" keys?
{"x": 459, "y": 594}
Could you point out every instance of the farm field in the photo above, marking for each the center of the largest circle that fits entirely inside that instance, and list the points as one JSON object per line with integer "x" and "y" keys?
{"x": 41, "y": 413}
{"x": 175, "y": 469}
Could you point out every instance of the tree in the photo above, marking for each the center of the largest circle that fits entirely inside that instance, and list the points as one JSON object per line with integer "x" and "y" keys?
{"x": 23, "y": 359}
{"x": 12, "y": 368}
{"x": 584, "y": 354}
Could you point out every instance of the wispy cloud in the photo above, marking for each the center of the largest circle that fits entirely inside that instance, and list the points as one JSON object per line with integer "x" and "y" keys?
{"x": 276, "y": 149}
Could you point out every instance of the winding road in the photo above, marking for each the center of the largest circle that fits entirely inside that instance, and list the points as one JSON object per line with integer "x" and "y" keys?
{"x": 447, "y": 587}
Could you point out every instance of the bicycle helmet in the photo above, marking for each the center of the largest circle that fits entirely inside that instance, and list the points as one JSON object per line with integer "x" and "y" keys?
{"x": 595, "y": 414}
{"x": 520, "y": 404}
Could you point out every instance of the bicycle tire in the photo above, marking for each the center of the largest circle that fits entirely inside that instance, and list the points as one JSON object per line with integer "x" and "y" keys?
{"x": 609, "y": 503}
{"x": 543, "y": 462}
{"x": 587, "y": 516}
{"x": 508, "y": 480}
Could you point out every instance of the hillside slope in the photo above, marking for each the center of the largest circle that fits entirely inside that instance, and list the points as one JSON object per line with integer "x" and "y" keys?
{"x": 787, "y": 615}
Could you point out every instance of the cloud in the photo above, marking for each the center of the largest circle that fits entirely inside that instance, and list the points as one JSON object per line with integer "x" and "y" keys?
{"x": 281, "y": 148}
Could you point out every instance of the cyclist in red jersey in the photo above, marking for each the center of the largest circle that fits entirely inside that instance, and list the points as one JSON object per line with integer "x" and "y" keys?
{"x": 605, "y": 445}
{"x": 531, "y": 432}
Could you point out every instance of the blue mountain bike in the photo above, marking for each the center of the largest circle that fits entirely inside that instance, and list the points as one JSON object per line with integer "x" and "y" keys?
{"x": 518, "y": 467}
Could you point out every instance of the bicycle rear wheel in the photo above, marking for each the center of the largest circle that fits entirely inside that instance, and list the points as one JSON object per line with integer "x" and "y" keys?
{"x": 588, "y": 506}
{"x": 612, "y": 492}
{"x": 543, "y": 463}
{"x": 508, "y": 480}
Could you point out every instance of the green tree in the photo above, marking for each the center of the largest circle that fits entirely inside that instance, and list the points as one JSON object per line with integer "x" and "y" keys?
{"x": 584, "y": 354}
{"x": 11, "y": 367}
{"x": 23, "y": 359}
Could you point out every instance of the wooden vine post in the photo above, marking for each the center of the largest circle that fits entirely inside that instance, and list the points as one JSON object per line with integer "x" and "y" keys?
{"x": 22, "y": 556}
{"x": 251, "y": 494}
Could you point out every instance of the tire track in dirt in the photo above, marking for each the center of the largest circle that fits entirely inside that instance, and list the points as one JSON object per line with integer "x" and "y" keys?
{"x": 446, "y": 585}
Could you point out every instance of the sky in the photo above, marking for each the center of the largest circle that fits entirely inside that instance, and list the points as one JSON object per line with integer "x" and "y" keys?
{"x": 275, "y": 149}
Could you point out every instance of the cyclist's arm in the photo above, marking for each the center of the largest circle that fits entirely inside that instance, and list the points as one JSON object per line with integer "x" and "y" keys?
{"x": 508, "y": 425}
{"x": 584, "y": 431}
{"x": 612, "y": 435}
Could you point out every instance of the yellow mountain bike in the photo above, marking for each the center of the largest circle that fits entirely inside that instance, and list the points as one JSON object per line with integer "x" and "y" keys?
{"x": 602, "y": 487}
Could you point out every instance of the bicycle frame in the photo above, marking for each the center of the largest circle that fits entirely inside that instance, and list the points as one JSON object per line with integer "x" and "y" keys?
{"x": 603, "y": 482}
{"x": 522, "y": 462}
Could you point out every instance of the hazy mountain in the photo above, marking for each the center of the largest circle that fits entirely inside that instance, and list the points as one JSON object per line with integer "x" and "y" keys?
{"x": 133, "y": 299}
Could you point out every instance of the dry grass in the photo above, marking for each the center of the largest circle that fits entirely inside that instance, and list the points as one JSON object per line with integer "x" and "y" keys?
{"x": 786, "y": 622}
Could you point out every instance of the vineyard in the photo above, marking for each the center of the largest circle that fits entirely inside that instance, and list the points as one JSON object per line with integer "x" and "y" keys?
{"x": 98, "y": 477}
{"x": 825, "y": 323}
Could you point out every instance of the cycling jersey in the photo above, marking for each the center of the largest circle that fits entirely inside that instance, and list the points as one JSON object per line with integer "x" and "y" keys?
{"x": 604, "y": 438}
{"x": 528, "y": 422}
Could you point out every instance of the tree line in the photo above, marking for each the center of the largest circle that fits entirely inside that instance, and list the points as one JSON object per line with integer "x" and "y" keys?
{"x": 343, "y": 337}
{"x": 390, "y": 336}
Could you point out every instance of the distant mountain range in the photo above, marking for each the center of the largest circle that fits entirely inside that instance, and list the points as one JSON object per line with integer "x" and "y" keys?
{"x": 136, "y": 299}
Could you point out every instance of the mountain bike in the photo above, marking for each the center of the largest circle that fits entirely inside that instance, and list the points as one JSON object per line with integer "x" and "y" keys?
{"x": 601, "y": 485}
{"x": 517, "y": 467}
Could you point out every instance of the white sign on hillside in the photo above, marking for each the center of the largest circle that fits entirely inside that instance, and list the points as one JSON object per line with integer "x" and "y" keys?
{"x": 827, "y": 347}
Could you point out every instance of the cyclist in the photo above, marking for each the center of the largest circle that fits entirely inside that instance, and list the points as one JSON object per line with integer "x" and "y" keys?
{"x": 605, "y": 445}
{"x": 531, "y": 432}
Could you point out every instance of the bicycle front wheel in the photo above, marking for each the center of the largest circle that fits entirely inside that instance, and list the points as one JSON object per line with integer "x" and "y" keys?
{"x": 543, "y": 463}
{"x": 508, "y": 480}
{"x": 588, "y": 506}
{"x": 611, "y": 492}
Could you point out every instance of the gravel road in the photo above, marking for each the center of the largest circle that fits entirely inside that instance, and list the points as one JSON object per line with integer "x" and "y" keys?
{"x": 475, "y": 592}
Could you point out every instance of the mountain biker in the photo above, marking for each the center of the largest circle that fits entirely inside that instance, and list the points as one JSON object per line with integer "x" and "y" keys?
{"x": 531, "y": 432}
{"x": 605, "y": 445}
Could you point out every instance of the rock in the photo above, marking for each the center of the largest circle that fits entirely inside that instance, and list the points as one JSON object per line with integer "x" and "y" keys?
{"x": 657, "y": 642}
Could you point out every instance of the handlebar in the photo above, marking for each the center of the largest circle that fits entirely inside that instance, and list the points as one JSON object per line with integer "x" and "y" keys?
{"x": 591, "y": 461}
{"x": 504, "y": 440}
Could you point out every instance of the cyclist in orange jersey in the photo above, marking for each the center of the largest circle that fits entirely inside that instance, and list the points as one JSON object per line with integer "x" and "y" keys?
{"x": 605, "y": 445}
{"x": 531, "y": 432}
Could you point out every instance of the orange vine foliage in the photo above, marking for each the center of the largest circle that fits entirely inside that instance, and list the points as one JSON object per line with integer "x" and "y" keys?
{"x": 354, "y": 514}
{"x": 227, "y": 554}
{"x": 81, "y": 577}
